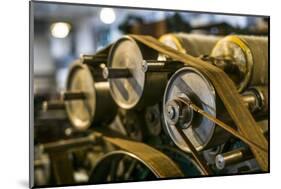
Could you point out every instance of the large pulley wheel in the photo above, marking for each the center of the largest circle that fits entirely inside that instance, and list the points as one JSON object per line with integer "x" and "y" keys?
{"x": 118, "y": 166}
{"x": 132, "y": 83}
{"x": 190, "y": 84}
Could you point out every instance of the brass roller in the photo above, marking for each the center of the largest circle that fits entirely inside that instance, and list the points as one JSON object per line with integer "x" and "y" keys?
{"x": 193, "y": 44}
{"x": 247, "y": 53}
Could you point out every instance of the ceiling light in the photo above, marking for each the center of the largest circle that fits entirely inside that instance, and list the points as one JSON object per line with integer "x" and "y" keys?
{"x": 60, "y": 29}
{"x": 107, "y": 15}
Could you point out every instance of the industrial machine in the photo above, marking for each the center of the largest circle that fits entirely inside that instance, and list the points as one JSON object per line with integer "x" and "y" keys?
{"x": 182, "y": 106}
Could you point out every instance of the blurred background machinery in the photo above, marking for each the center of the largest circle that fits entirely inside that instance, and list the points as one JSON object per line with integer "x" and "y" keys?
{"x": 110, "y": 108}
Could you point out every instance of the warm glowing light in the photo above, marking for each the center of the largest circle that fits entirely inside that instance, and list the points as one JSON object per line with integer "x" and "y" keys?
{"x": 107, "y": 15}
{"x": 60, "y": 29}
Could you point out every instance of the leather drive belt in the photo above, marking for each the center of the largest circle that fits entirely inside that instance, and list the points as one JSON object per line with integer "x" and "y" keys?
{"x": 227, "y": 92}
{"x": 161, "y": 165}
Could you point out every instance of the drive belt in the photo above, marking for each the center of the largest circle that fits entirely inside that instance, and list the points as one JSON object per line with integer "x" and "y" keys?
{"x": 160, "y": 163}
{"x": 227, "y": 92}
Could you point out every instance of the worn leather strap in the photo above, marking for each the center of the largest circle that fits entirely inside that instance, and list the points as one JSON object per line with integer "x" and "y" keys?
{"x": 162, "y": 165}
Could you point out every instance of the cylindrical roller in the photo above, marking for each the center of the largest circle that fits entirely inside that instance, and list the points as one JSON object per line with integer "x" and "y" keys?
{"x": 190, "y": 84}
{"x": 87, "y": 101}
{"x": 249, "y": 54}
{"x": 140, "y": 87}
{"x": 232, "y": 157}
{"x": 192, "y": 44}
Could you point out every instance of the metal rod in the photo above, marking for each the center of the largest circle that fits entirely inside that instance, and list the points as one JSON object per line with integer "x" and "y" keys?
{"x": 160, "y": 66}
{"x": 70, "y": 143}
{"x": 232, "y": 157}
{"x": 94, "y": 59}
{"x": 109, "y": 73}
{"x": 53, "y": 105}
{"x": 71, "y": 95}
{"x": 251, "y": 100}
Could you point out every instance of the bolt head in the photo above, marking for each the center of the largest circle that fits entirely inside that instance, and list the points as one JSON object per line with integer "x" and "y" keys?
{"x": 105, "y": 73}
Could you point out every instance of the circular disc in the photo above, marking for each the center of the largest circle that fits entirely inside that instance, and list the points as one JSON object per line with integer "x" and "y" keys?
{"x": 195, "y": 86}
{"x": 127, "y": 91}
{"x": 81, "y": 112}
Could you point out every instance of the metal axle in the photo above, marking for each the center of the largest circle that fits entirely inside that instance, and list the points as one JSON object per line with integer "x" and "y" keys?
{"x": 110, "y": 73}
{"x": 71, "y": 95}
{"x": 232, "y": 157}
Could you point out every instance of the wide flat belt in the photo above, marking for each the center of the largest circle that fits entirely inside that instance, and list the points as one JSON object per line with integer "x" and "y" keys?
{"x": 227, "y": 92}
{"x": 160, "y": 163}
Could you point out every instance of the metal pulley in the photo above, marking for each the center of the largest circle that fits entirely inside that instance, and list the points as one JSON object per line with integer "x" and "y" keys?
{"x": 191, "y": 85}
{"x": 134, "y": 74}
{"x": 87, "y": 101}
{"x": 121, "y": 166}
{"x": 192, "y": 44}
{"x": 248, "y": 55}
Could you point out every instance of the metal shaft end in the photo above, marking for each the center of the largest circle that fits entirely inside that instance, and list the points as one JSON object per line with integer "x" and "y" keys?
{"x": 71, "y": 95}
{"x": 110, "y": 73}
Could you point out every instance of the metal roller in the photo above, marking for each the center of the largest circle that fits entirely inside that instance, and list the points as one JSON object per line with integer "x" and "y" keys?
{"x": 248, "y": 54}
{"x": 87, "y": 101}
{"x": 190, "y": 84}
{"x": 192, "y": 44}
{"x": 133, "y": 74}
